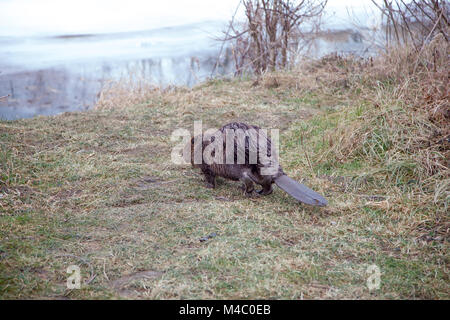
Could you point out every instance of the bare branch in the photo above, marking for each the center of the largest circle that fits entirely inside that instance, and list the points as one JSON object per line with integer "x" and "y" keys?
{"x": 270, "y": 32}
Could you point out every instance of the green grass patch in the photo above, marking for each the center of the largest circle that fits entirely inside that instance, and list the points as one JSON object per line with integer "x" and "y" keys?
{"x": 98, "y": 189}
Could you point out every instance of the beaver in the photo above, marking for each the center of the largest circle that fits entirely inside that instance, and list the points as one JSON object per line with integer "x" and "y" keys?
{"x": 253, "y": 161}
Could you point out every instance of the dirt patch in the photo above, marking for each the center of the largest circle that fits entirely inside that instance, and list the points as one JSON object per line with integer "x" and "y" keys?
{"x": 137, "y": 151}
{"x": 151, "y": 182}
{"x": 21, "y": 191}
{"x": 122, "y": 284}
{"x": 66, "y": 194}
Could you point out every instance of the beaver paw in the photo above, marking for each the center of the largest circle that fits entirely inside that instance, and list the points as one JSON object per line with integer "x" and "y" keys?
{"x": 249, "y": 194}
{"x": 264, "y": 192}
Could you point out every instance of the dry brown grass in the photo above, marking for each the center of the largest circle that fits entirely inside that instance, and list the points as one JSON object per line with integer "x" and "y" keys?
{"x": 410, "y": 91}
{"x": 126, "y": 93}
{"x": 398, "y": 121}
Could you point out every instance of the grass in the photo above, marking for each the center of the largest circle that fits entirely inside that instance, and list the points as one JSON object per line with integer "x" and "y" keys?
{"x": 97, "y": 189}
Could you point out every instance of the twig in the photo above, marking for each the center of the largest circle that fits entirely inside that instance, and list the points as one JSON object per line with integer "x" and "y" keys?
{"x": 426, "y": 40}
{"x": 104, "y": 269}
{"x": 307, "y": 156}
{"x": 223, "y": 42}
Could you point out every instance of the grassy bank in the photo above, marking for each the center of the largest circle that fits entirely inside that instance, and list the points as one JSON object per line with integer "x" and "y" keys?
{"x": 98, "y": 190}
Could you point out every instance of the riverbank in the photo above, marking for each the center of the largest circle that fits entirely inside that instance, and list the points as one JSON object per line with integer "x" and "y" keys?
{"x": 97, "y": 189}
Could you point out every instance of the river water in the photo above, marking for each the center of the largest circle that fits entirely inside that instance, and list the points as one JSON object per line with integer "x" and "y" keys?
{"x": 50, "y": 74}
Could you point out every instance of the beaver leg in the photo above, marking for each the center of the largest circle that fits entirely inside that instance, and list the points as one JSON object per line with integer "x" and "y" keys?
{"x": 266, "y": 189}
{"x": 264, "y": 181}
{"x": 248, "y": 185}
{"x": 210, "y": 178}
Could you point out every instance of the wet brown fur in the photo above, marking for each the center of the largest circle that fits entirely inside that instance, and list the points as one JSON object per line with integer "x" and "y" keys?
{"x": 247, "y": 173}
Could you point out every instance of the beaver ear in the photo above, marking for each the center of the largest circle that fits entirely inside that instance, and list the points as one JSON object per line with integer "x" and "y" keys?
{"x": 300, "y": 192}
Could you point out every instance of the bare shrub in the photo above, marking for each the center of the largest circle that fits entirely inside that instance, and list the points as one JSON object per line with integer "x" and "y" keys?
{"x": 271, "y": 31}
{"x": 414, "y": 22}
{"x": 407, "y": 113}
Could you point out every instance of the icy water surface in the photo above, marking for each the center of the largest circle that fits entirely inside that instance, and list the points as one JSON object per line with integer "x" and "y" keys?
{"x": 50, "y": 75}
{"x": 54, "y": 74}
